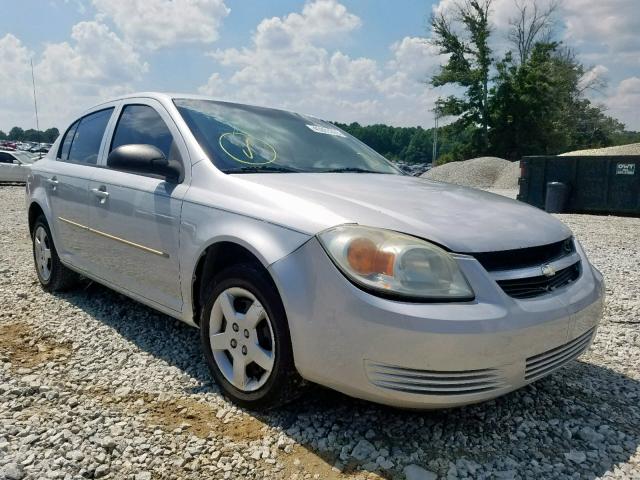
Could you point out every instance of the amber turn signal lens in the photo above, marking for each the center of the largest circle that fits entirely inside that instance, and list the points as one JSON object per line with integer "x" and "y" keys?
{"x": 365, "y": 258}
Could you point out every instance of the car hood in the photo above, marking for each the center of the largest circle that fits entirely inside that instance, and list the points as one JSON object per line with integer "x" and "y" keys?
{"x": 459, "y": 218}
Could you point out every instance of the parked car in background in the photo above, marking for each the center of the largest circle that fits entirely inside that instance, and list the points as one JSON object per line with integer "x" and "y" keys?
{"x": 40, "y": 148}
{"x": 302, "y": 254}
{"x": 15, "y": 165}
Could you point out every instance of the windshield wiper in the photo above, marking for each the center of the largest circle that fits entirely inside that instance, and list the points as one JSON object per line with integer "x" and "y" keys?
{"x": 349, "y": 170}
{"x": 261, "y": 169}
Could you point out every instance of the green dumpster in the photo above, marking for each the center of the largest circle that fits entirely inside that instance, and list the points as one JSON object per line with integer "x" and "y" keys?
{"x": 596, "y": 184}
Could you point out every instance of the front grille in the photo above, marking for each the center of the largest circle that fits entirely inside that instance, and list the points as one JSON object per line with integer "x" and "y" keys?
{"x": 525, "y": 257}
{"x": 544, "y": 363}
{"x": 431, "y": 382}
{"x": 534, "y": 286}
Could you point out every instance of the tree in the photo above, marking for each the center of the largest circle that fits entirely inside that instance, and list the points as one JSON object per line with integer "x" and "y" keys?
{"x": 32, "y": 135}
{"x": 538, "y": 107}
{"x": 419, "y": 149}
{"x": 16, "y": 133}
{"x": 50, "y": 135}
{"x": 530, "y": 26}
{"x": 3, "y": 136}
{"x": 536, "y": 101}
{"x": 468, "y": 66}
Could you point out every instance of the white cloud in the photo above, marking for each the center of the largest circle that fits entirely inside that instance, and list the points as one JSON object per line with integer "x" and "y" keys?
{"x": 15, "y": 78}
{"x": 320, "y": 21}
{"x": 612, "y": 24}
{"x": 97, "y": 56}
{"x": 594, "y": 77}
{"x": 293, "y": 62}
{"x": 624, "y": 104}
{"x": 154, "y": 24}
{"x": 70, "y": 76}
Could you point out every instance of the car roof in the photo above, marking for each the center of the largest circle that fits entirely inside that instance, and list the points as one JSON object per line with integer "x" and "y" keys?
{"x": 161, "y": 96}
{"x": 167, "y": 97}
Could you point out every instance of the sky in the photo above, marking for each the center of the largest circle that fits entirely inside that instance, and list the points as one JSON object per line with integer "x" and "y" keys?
{"x": 345, "y": 60}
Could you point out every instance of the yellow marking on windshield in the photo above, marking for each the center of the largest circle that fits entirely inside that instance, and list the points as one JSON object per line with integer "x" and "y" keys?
{"x": 252, "y": 148}
{"x": 248, "y": 152}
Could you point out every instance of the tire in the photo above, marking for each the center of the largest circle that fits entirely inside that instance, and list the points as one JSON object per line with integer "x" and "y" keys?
{"x": 52, "y": 274}
{"x": 238, "y": 290}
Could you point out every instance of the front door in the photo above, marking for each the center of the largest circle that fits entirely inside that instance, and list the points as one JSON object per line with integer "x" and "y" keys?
{"x": 135, "y": 218}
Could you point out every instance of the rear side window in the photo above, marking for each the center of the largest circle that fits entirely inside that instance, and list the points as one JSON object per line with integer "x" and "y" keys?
{"x": 141, "y": 124}
{"x": 6, "y": 158}
{"x": 88, "y": 136}
{"x": 63, "y": 154}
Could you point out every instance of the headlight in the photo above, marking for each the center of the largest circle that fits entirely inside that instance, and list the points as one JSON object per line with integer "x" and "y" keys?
{"x": 394, "y": 263}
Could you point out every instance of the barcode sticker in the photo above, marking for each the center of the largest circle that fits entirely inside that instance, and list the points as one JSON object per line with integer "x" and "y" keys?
{"x": 327, "y": 131}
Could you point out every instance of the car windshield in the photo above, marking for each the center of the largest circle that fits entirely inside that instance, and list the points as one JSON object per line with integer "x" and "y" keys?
{"x": 247, "y": 139}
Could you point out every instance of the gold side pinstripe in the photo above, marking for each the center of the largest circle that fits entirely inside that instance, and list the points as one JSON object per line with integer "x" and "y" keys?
{"x": 113, "y": 237}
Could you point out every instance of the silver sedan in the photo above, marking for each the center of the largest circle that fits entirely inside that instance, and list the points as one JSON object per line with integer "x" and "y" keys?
{"x": 15, "y": 165}
{"x": 304, "y": 256}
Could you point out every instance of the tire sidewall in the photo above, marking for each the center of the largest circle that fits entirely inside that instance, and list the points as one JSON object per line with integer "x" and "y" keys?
{"x": 253, "y": 280}
{"x": 41, "y": 222}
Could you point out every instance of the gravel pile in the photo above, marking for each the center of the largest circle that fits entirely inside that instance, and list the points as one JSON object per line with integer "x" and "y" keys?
{"x": 93, "y": 385}
{"x": 630, "y": 149}
{"x": 481, "y": 172}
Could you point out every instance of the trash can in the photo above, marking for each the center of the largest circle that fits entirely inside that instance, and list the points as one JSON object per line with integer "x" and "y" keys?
{"x": 556, "y": 198}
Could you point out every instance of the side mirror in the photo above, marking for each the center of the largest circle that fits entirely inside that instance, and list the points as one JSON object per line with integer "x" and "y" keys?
{"x": 145, "y": 159}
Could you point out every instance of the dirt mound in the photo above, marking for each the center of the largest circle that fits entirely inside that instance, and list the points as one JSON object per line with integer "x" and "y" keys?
{"x": 481, "y": 172}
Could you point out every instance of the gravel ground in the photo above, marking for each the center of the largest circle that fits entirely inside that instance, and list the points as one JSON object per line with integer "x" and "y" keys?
{"x": 95, "y": 385}
{"x": 481, "y": 172}
{"x": 629, "y": 149}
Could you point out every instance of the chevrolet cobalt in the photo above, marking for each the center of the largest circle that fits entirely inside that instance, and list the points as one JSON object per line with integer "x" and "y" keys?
{"x": 304, "y": 256}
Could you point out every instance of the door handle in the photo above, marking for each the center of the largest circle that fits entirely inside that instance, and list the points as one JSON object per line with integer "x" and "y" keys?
{"x": 100, "y": 193}
{"x": 53, "y": 182}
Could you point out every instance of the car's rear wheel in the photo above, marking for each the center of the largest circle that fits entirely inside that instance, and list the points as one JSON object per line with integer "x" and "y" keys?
{"x": 53, "y": 275}
{"x": 246, "y": 341}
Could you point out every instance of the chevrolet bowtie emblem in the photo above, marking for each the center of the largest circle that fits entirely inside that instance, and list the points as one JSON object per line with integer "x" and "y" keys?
{"x": 548, "y": 270}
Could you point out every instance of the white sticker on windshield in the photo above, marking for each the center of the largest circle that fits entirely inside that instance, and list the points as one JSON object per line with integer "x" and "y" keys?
{"x": 327, "y": 131}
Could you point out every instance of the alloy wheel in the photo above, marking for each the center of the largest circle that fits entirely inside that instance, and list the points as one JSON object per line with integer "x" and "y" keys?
{"x": 242, "y": 339}
{"x": 42, "y": 250}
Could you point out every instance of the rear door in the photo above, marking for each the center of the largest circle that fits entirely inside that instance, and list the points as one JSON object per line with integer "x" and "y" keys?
{"x": 68, "y": 186}
{"x": 136, "y": 217}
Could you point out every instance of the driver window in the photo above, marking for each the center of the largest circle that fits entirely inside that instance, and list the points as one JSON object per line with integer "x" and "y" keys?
{"x": 141, "y": 124}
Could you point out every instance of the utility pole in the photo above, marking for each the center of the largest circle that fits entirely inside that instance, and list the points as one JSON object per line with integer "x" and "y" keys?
{"x": 434, "y": 153}
{"x": 35, "y": 101}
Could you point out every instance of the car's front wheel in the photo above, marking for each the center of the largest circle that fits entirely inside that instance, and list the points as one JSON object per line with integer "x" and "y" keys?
{"x": 245, "y": 339}
{"x": 53, "y": 275}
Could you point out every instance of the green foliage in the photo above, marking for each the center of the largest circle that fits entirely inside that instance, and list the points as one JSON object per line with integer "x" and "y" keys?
{"x": 31, "y": 135}
{"x": 415, "y": 144}
{"x": 16, "y": 133}
{"x": 623, "y": 138}
{"x": 410, "y": 144}
{"x": 537, "y": 107}
{"x": 468, "y": 67}
{"x": 533, "y": 105}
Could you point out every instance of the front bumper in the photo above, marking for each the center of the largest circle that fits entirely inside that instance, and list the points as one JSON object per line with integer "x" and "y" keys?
{"x": 418, "y": 355}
